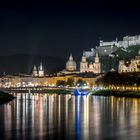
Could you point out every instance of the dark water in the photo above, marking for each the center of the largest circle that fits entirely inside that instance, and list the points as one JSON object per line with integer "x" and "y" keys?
{"x": 70, "y": 117}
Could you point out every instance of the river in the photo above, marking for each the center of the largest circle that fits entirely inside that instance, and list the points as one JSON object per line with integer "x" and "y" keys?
{"x": 60, "y": 117}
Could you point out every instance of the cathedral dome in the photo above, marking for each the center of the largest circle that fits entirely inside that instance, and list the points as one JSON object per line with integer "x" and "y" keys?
{"x": 71, "y": 64}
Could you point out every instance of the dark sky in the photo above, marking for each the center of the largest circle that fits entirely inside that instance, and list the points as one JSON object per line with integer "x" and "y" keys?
{"x": 58, "y": 28}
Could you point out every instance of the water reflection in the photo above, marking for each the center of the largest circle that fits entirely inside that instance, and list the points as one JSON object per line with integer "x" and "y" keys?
{"x": 44, "y": 116}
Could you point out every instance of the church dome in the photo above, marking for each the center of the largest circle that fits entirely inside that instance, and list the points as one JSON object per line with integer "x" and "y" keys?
{"x": 71, "y": 64}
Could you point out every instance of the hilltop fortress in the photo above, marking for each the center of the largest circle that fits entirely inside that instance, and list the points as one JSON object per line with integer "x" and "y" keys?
{"x": 127, "y": 41}
{"x": 107, "y": 48}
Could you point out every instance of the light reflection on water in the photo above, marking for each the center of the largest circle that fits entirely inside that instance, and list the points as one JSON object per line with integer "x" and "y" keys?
{"x": 44, "y": 116}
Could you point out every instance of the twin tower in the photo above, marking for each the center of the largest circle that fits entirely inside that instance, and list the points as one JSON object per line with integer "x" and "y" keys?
{"x": 38, "y": 71}
{"x": 85, "y": 66}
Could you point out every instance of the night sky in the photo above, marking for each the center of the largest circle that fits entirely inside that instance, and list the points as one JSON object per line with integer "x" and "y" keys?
{"x": 56, "y": 29}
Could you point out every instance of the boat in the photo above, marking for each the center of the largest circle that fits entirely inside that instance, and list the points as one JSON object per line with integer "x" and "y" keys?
{"x": 80, "y": 92}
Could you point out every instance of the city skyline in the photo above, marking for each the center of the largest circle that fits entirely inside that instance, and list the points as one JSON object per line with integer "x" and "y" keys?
{"x": 69, "y": 70}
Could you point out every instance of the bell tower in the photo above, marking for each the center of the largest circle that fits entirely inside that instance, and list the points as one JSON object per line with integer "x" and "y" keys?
{"x": 83, "y": 64}
{"x": 97, "y": 64}
{"x": 41, "y": 71}
{"x": 34, "y": 73}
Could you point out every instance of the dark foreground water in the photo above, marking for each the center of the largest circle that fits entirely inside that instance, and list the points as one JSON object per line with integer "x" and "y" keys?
{"x": 70, "y": 117}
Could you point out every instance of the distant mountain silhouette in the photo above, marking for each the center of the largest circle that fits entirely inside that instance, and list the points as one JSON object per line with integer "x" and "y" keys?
{"x": 23, "y": 63}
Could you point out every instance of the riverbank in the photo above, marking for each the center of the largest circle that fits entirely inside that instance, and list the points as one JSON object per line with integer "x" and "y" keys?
{"x": 57, "y": 91}
{"x": 5, "y": 97}
{"x": 132, "y": 94}
{"x": 49, "y": 91}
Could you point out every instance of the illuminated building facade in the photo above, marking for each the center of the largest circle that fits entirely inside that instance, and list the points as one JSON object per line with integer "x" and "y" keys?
{"x": 107, "y": 48}
{"x": 94, "y": 67}
{"x": 38, "y": 72}
{"x": 132, "y": 66}
{"x": 71, "y": 64}
{"x": 18, "y": 81}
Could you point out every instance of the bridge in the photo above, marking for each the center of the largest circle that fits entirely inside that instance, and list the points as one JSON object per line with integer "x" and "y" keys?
{"x": 38, "y": 89}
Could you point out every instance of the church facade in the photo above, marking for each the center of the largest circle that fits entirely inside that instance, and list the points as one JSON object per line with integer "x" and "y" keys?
{"x": 38, "y": 72}
{"x": 85, "y": 67}
{"x": 94, "y": 67}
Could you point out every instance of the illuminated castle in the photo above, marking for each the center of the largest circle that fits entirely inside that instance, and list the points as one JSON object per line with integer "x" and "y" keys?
{"x": 127, "y": 41}
{"x": 107, "y": 48}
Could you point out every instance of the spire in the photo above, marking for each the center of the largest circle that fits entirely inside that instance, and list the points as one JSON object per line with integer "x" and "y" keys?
{"x": 96, "y": 58}
{"x": 41, "y": 67}
{"x": 34, "y": 72}
{"x": 41, "y": 70}
{"x": 34, "y": 68}
{"x": 97, "y": 55}
{"x": 83, "y": 53}
{"x": 70, "y": 58}
{"x": 84, "y": 58}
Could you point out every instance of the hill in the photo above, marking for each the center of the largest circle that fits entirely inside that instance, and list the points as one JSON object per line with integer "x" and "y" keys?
{"x": 112, "y": 61}
{"x": 23, "y": 63}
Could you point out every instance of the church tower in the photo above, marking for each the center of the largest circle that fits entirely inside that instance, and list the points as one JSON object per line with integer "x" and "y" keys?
{"x": 34, "y": 72}
{"x": 96, "y": 58}
{"x": 83, "y": 64}
{"x": 97, "y": 64}
{"x": 41, "y": 71}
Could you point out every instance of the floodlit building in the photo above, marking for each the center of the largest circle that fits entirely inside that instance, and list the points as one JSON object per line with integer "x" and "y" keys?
{"x": 71, "y": 67}
{"x": 34, "y": 72}
{"x": 127, "y": 41}
{"x": 94, "y": 67}
{"x": 107, "y": 48}
{"x": 85, "y": 66}
{"x": 71, "y": 64}
{"x": 38, "y": 72}
{"x": 130, "y": 66}
{"x": 41, "y": 70}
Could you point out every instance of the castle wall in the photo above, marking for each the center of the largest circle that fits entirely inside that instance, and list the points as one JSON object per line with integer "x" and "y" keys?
{"x": 106, "y": 50}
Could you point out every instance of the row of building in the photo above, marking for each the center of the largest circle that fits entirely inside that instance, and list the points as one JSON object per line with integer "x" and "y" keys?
{"x": 38, "y": 77}
{"x": 29, "y": 81}
{"x": 90, "y": 67}
{"x": 93, "y": 66}
{"x": 130, "y": 66}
